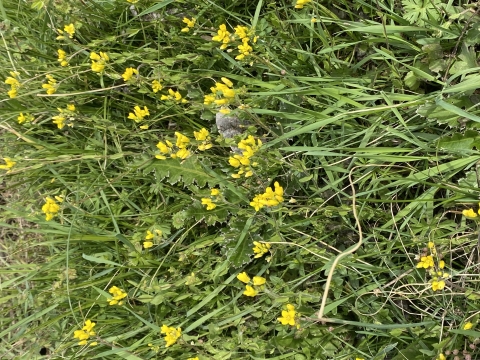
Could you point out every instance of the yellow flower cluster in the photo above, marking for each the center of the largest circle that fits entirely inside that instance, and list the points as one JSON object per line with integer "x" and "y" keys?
{"x": 67, "y": 113}
{"x": 127, "y": 75}
{"x": 69, "y": 29}
{"x": 190, "y": 24}
{"x": 118, "y": 294}
{"x": 138, "y": 113}
{"x": 62, "y": 57}
{"x": 470, "y": 213}
{"x": 156, "y": 86}
{"x": 438, "y": 276}
{"x": 171, "y": 334}
{"x": 150, "y": 236}
{"x": 84, "y": 334}
{"x": 242, "y": 162}
{"x": 223, "y": 36}
{"x": 9, "y": 163}
{"x": 51, "y": 85}
{"x": 14, "y": 84}
{"x": 260, "y": 249}
{"x": 289, "y": 316}
{"x": 222, "y": 95}
{"x": 98, "y": 61}
{"x": 301, "y": 3}
{"x": 269, "y": 198}
{"x": 24, "y": 118}
{"x": 173, "y": 96}
{"x": 208, "y": 202}
{"x": 258, "y": 282}
{"x": 245, "y": 34}
{"x": 51, "y": 208}
{"x": 166, "y": 148}
{"x": 204, "y": 136}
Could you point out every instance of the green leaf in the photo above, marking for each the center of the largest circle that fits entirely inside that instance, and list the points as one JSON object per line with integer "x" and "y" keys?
{"x": 458, "y": 142}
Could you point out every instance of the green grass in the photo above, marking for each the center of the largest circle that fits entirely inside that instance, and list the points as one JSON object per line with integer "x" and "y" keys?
{"x": 368, "y": 120}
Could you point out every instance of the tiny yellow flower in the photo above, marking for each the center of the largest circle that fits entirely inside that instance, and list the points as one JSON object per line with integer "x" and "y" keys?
{"x": 147, "y": 244}
{"x": 215, "y": 192}
{"x": 426, "y": 262}
{"x": 70, "y": 30}
{"x": 258, "y": 280}
{"x": 156, "y": 86}
{"x": 288, "y": 316}
{"x": 24, "y": 118}
{"x": 190, "y": 24}
{"x": 195, "y": 358}
{"x": 469, "y": 213}
{"x": 260, "y": 249}
{"x": 50, "y": 208}
{"x": 62, "y": 57}
{"x": 171, "y": 334}
{"x": 250, "y": 291}
{"x": 182, "y": 140}
{"x": 118, "y": 295}
{"x": 209, "y": 204}
{"x": 201, "y": 135}
{"x": 438, "y": 285}
{"x": 129, "y": 72}
{"x": 243, "y": 277}
{"x": 8, "y": 164}
{"x": 301, "y": 3}
{"x": 84, "y": 334}
{"x": 138, "y": 114}
{"x": 467, "y": 326}
{"x": 441, "y": 264}
{"x": 441, "y": 357}
{"x": 183, "y": 154}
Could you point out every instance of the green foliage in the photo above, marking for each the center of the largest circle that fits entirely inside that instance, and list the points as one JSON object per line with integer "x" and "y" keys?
{"x": 364, "y": 113}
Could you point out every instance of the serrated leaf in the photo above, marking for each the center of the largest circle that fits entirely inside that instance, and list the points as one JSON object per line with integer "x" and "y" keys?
{"x": 238, "y": 246}
{"x": 459, "y": 142}
{"x": 187, "y": 171}
{"x": 433, "y": 111}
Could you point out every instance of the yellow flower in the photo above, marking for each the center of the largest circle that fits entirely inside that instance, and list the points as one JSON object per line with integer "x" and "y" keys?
{"x": 441, "y": 264}
{"x": 201, "y": 135}
{"x": 70, "y": 30}
{"x": 260, "y": 249}
{"x": 438, "y": 285}
{"x": 241, "y": 31}
{"x": 288, "y": 316}
{"x": 214, "y": 192}
{"x": 359, "y": 358}
{"x": 195, "y": 358}
{"x": 132, "y": 1}
{"x": 118, "y": 295}
{"x": 182, "y": 140}
{"x": 51, "y": 86}
{"x": 301, "y": 3}
{"x": 258, "y": 280}
{"x": 149, "y": 235}
{"x": 467, "y": 326}
{"x": 190, "y": 24}
{"x": 225, "y": 111}
{"x": 183, "y": 154}
{"x": 24, "y": 118}
{"x": 313, "y": 20}
{"x": 426, "y": 262}
{"x": 208, "y": 99}
{"x": 209, "y": 204}
{"x": 469, "y": 213}
{"x": 171, "y": 334}
{"x": 84, "y": 334}
{"x": 62, "y": 57}
{"x": 138, "y": 114}
{"x": 222, "y": 36}
{"x": 8, "y": 164}
{"x": 250, "y": 291}
{"x": 147, "y": 244}
{"x": 227, "y": 82}
{"x": 127, "y": 75}
{"x": 243, "y": 277}
{"x": 50, "y": 208}
{"x": 98, "y": 61}
{"x": 156, "y": 86}
{"x": 440, "y": 357}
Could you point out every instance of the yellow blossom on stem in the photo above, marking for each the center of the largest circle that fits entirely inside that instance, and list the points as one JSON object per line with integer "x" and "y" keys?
{"x": 51, "y": 85}
{"x": 62, "y": 57}
{"x": 467, "y": 326}
{"x": 182, "y": 153}
{"x": 50, "y": 208}
{"x": 138, "y": 113}
{"x": 190, "y": 24}
{"x": 182, "y": 140}
{"x": 9, "y": 163}
{"x": 70, "y": 30}
{"x": 258, "y": 280}
{"x": 84, "y": 334}
{"x": 201, "y": 135}
{"x": 210, "y": 205}
{"x": 260, "y": 249}
{"x": 250, "y": 291}
{"x": 438, "y": 285}
{"x": 98, "y": 61}
{"x": 24, "y": 118}
{"x": 147, "y": 244}
{"x": 118, "y": 295}
{"x": 156, "y": 86}
{"x": 469, "y": 213}
{"x": 243, "y": 277}
{"x": 129, "y": 72}
{"x": 301, "y": 3}
{"x": 288, "y": 316}
{"x": 214, "y": 192}
{"x": 59, "y": 120}
{"x": 426, "y": 262}
{"x": 171, "y": 334}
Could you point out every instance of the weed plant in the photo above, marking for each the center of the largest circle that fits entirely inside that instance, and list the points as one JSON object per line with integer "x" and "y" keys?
{"x": 239, "y": 179}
